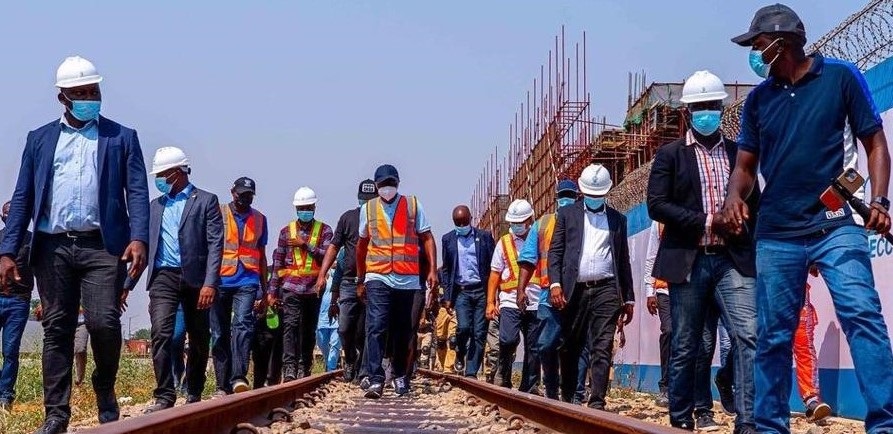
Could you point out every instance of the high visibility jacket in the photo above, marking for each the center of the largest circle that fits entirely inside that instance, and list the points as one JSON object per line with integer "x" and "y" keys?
{"x": 393, "y": 245}
{"x": 546, "y": 229}
{"x": 244, "y": 249}
{"x": 660, "y": 283}
{"x": 303, "y": 264}
{"x": 510, "y": 258}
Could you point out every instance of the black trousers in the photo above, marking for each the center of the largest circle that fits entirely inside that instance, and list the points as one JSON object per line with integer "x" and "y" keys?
{"x": 418, "y": 309}
{"x": 300, "y": 317}
{"x": 70, "y": 273}
{"x": 166, "y": 292}
{"x": 666, "y": 332}
{"x": 352, "y": 326}
{"x": 266, "y": 354}
{"x": 590, "y": 319}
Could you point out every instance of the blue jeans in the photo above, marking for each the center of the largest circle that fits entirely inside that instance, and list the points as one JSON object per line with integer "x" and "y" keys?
{"x": 178, "y": 349}
{"x": 13, "y": 317}
{"x": 232, "y": 329}
{"x": 714, "y": 283}
{"x": 842, "y": 258}
{"x": 547, "y": 347}
{"x": 388, "y": 316}
{"x": 330, "y": 346}
{"x": 582, "y": 374}
{"x": 471, "y": 328}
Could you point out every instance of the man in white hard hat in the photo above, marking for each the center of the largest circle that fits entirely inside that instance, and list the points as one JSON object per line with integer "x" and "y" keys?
{"x": 709, "y": 270}
{"x": 591, "y": 282}
{"x": 467, "y": 253}
{"x": 392, "y": 227}
{"x": 243, "y": 283}
{"x": 793, "y": 129}
{"x": 297, "y": 263}
{"x": 83, "y": 184}
{"x": 504, "y": 289}
{"x": 185, "y": 250}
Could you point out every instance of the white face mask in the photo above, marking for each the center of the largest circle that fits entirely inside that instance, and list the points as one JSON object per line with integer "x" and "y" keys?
{"x": 387, "y": 193}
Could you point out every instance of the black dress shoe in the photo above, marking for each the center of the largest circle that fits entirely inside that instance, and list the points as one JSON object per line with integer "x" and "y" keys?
{"x": 108, "y": 407}
{"x": 192, "y": 399}
{"x": 52, "y": 426}
{"x": 158, "y": 406}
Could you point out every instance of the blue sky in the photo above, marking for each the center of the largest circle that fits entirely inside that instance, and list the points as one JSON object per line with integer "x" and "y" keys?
{"x": 319, "y": 93}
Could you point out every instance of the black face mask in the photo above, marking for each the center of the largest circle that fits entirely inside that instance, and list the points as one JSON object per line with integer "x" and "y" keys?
{"x": 244, "y": 201}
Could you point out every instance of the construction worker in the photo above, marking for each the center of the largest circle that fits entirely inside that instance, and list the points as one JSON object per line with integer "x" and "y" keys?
{"x": 806, "y": 361}
{"x": 517, "y": 313}
{"x": 532, "y": 259}
{"x": 391, "y": 227}
{"x": 351, "y": 310}
{"x": 243, "y": 285}
{"x": 15, "y": 302}
{"x": 467, "y": 252}
{"x": 296, "y": 268}
{"x": 591, "y": 282}
{"x": 793, "y": 127}
{"x": 83, "y": 184}
{"x": 708, "y": 268}
{"x": 185, "y": 247}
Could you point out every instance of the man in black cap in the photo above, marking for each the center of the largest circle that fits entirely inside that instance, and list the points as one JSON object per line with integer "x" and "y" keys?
{"x": 392, "y": 227}
{"x": 792, "y": 126}
{"x": 243, "y": 276}
{"x": 345, "y": 303}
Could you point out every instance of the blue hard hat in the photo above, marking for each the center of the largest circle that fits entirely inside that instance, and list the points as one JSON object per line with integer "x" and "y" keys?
{"x": 385, "y": 172}
{"x": 567, "y": 185}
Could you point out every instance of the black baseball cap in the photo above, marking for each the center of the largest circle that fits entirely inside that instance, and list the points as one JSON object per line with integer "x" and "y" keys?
{"x": 385, "y": 172}
{"x": 367, "y": 190}
{"x": 772, "y": 19}
{"x": 244, "y": 184}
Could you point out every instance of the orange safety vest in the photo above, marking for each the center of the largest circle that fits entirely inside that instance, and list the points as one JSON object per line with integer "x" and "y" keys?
{"x": 510, "y": 258}
{"x": 243, "y": 250}
{"x": 660, "y": 283}
{"x": 394, "y": 245}
{"x": 544, "y": 236}
{"x": 303, "y": 264}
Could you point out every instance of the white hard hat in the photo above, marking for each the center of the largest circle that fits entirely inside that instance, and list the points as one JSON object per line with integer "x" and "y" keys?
{"x": 168, "y": 157}
{"x": 703, "y": 86}
{"x": 76, "y": 71}
{"x": 595, "y": 180}
{"x": 519, "y": 211}
{"x": 305, "y": 196}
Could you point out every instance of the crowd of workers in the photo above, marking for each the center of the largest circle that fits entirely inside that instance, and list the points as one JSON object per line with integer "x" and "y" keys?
{"x": 723, "y": 251}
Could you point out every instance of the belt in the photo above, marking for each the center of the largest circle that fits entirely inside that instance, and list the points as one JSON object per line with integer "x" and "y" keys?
{"x": 469, "y": 287}
{"x": 713, "y": 249}
{"x": 596, "y": 283}
{"x": 78, "y": 234}
{"x": 819, "y": 233}
{"x": 349, "y": 280}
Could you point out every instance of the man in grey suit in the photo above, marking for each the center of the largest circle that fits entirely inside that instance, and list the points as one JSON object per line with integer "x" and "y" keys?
{"x": 185, "y": 250}
{"x": 592, "y": 284}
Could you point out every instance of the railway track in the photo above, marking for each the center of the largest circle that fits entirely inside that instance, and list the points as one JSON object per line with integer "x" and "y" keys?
{"x": 323, "y": 404}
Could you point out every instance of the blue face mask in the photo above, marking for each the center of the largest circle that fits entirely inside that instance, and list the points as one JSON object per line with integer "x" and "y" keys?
{"x": 463, "y": 230}
{"x": 706, "y": 122}
{"x": 565, "y": 201}
{"x": 594, "y": 203}
{"x": 305, "y": 216}
{"x": 757, "y": 64}
{"x": 85, "y": 111}
{"x": 518, "y": 229}
{"x": 162, "y": 185}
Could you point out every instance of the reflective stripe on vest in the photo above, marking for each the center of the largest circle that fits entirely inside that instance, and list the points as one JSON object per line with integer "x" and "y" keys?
{"x": 660, "y": 283}
{"x": 242, "y": 249}
{"x": 303, "y": 263}
{"x": 510, "y": 258}
{"x": 394, "y": 245}
{"x": 544, "y": 235}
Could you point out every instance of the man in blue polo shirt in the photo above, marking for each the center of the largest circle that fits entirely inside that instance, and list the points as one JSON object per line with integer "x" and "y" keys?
{"x": 793, "y": 125}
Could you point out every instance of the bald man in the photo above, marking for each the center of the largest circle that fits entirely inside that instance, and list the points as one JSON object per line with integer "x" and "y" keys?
{"x": 467, "y": 252}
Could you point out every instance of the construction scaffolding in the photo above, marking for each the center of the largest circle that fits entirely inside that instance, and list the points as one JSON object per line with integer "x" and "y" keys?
{"x": 548, "y": 140}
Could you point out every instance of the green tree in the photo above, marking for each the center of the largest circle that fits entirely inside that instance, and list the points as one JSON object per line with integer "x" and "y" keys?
{"x": 142, "y": 334}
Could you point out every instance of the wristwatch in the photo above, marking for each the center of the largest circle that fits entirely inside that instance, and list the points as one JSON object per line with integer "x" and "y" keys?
{"x": 882, "y": 201}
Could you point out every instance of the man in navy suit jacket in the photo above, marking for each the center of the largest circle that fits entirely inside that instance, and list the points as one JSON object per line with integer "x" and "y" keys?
{"x": 467, "y": 252}
{"x": 185, "y": 253}
{"x": 83, "y": 184}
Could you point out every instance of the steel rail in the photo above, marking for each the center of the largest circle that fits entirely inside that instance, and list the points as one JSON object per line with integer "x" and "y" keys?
{"x": 559, "y": 416}
{"x": 218, "y": 415}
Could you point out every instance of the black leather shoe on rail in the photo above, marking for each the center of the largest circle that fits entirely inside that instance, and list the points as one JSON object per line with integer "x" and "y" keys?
{"x": 52, "y": 426}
